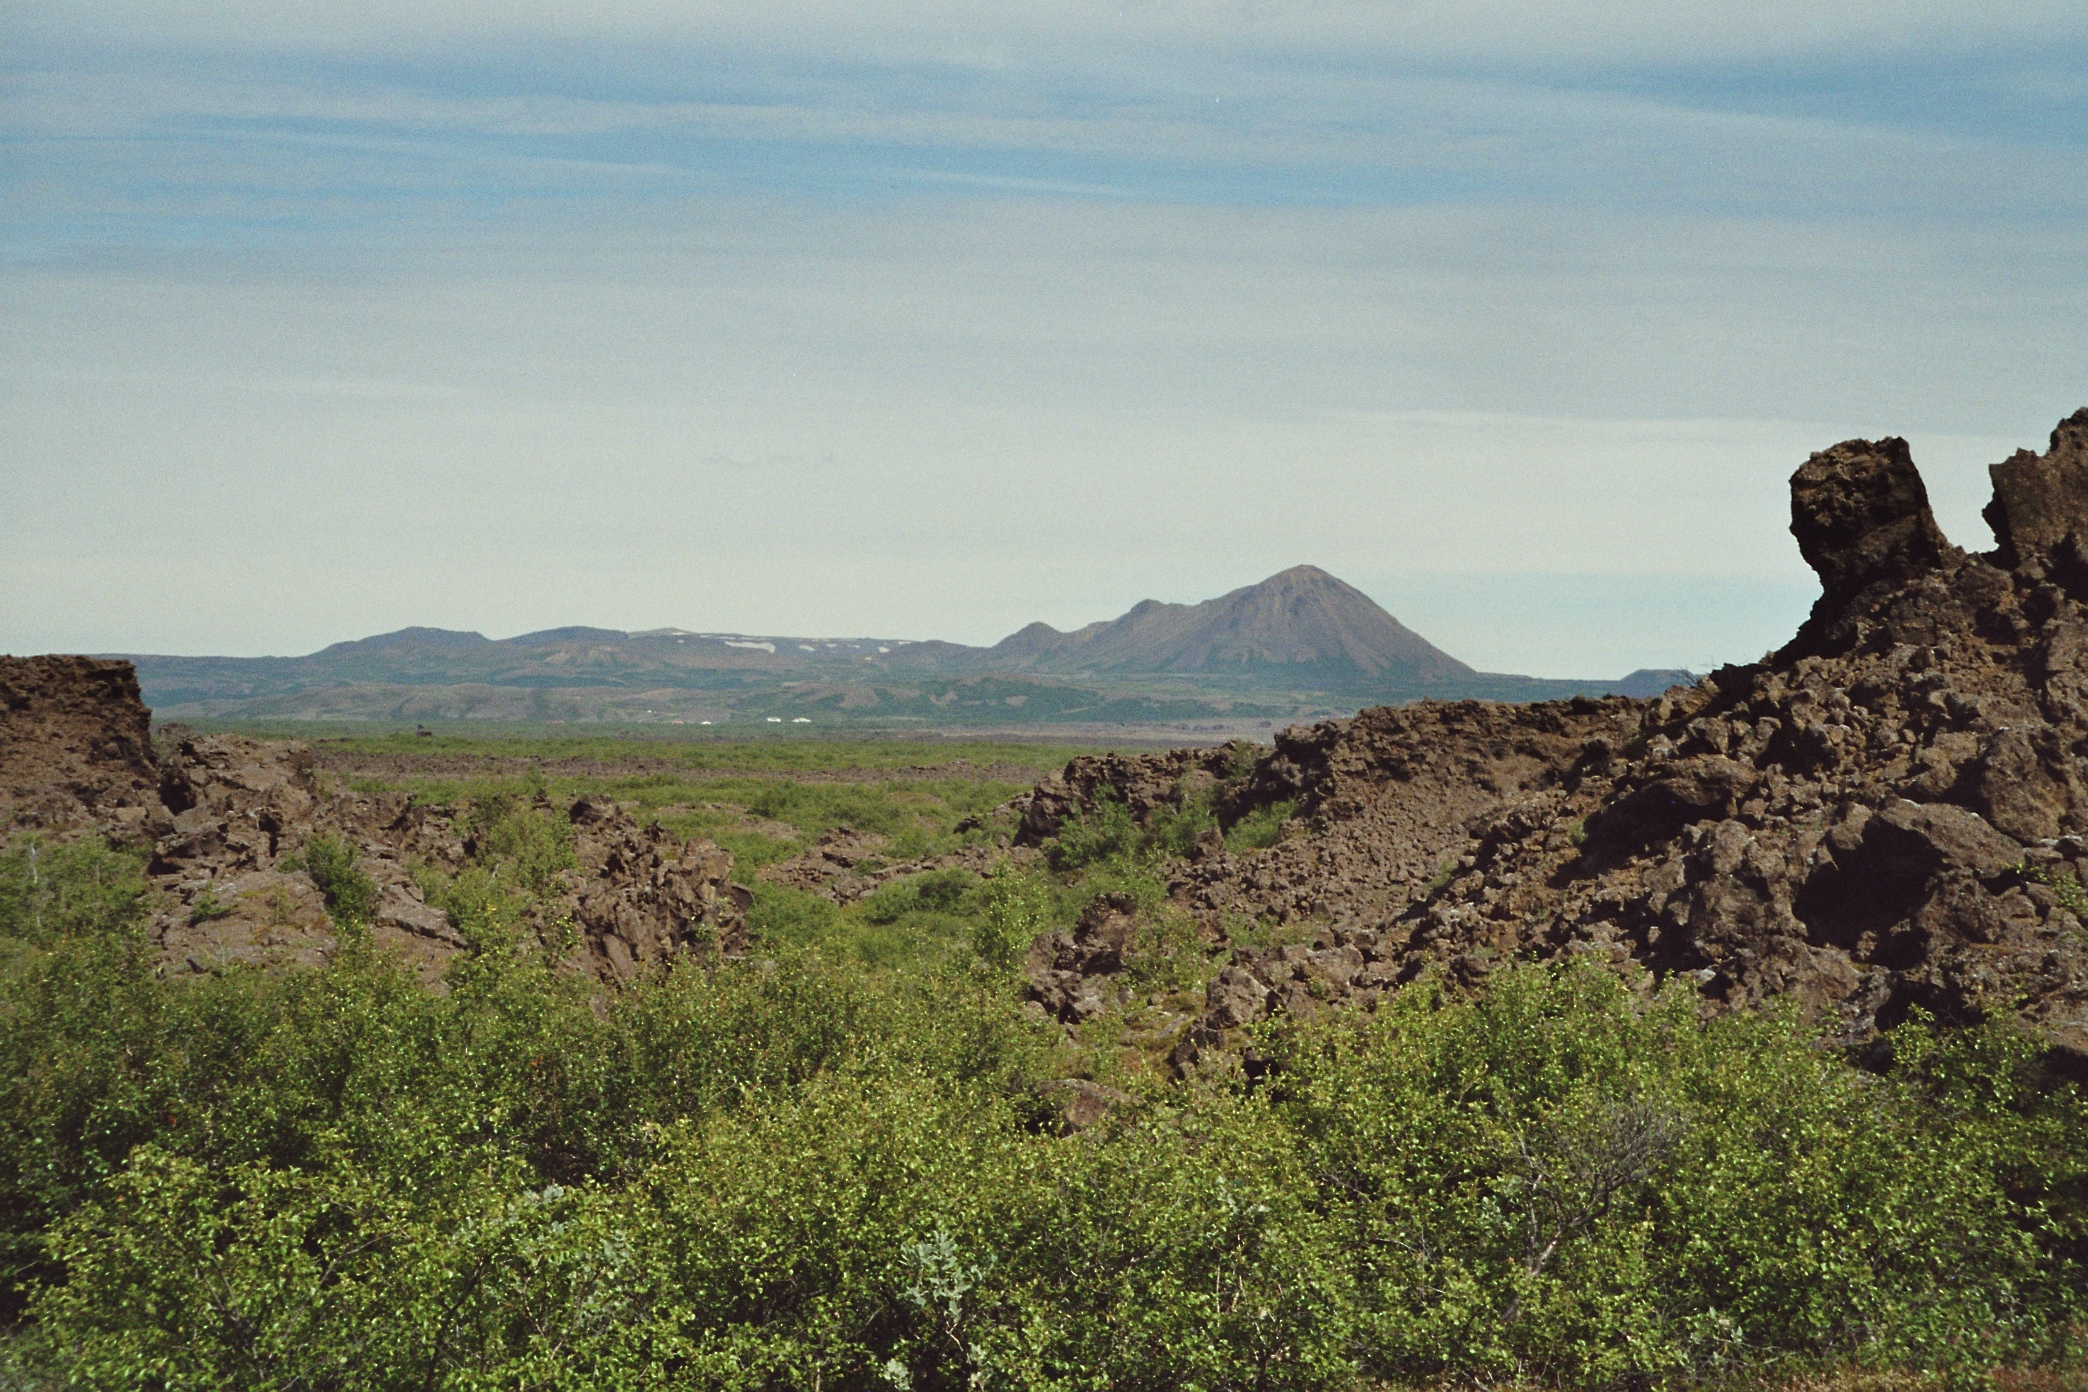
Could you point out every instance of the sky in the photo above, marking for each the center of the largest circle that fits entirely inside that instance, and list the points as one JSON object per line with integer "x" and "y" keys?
{"x": 922, "y": 319}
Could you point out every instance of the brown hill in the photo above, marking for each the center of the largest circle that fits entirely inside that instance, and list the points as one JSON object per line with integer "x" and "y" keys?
{"x": 1300, "y": 623}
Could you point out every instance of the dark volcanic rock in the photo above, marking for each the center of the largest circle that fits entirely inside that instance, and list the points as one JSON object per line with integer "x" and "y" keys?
{"x": 643, "y": 895}
{"x": 75, "y": 745}
{"x": 1071, "y": 975}
{"x": 226, "y": 818}
{"x": 1861, "y": 515}
{"x": 1890, "y": 813}
{"x": 2041, "y": 501}
{"x": 1143, "y": 783}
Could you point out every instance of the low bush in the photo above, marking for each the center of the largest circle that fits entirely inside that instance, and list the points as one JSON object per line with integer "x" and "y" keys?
{"x": 1100, "y": 833}
{"x": 330, "y": 861}
{"x": 796, "y": 1171}
{"x": 937, "y": 891}
{"x": 1261, "y": 828}
{"x": 528, "y": 843}
{"x": 1015, "y": 907}
{"x": 1557, "y": 1180}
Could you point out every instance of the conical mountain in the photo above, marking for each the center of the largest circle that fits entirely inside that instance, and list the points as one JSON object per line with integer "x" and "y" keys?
{"x": 1301, "y": 623}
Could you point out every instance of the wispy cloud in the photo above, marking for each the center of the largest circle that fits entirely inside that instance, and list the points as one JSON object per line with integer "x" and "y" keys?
{"x": 131, "y": 156}
{"x": 997, "y": 33}
{"x": 934, "y": 319}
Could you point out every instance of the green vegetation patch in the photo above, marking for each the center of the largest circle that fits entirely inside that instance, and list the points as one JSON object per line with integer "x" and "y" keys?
{"x": 697, "y": 753}
{"x": 330, "y": 861}
{"x": 800, "y": 1170}
{"x": 841, "y": 1163}
{"x": 743, "y": 813}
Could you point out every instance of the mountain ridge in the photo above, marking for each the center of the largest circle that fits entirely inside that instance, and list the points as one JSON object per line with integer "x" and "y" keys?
{"x": 1301, "y": 640}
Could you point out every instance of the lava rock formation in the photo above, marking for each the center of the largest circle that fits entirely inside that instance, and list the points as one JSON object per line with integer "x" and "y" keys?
{"x": 226, "y": 818}
{"x": 1890, "y": 813}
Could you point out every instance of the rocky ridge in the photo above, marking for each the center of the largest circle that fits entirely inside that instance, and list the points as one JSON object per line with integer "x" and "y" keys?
{"x": 1890, "y": 813}
{"x": 226, "y": 818}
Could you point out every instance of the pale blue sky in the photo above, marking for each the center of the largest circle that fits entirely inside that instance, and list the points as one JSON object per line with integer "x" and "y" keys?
{"x": 929, "y": 320}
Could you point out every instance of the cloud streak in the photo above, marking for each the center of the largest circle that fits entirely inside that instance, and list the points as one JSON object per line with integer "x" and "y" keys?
{"x": 933, "y": 320}
{"x": 994, "y": 36}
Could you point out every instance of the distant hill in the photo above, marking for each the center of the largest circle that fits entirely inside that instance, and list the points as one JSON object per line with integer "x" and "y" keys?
{"x": 1300, "y": 644}
{"x": 1651, "y": 681}
{"x": 1301, "y": 623}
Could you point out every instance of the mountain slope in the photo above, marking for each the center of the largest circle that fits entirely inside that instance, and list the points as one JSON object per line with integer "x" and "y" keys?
{"x": 1300, "y": 622}
{"x": 1300, "y": 641}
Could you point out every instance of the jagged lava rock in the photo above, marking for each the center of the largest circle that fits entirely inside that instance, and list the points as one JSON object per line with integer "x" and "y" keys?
{"x": 643, "y": 895}
{"x": 226, "y": 816}
{"x": 2041, "y": 501}
{"x": 1889, "y": 813}
{"x": 75, "y": 744}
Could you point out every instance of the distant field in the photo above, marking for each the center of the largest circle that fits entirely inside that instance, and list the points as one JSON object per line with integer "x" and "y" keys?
{"x": 794, "y": 752}
{"x": 742, "y": 745}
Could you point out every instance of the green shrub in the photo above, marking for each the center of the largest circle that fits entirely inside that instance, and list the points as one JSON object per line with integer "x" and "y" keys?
{"x": 206, "y": 907}
{"x": 1106, "y": 833}
{"x": 530, "y": 844}
{"x": 783, "y": 916}
{"x": 330, "y": 861}
{"x": 51, "y": 892}
{"x": 1557, "y": 1181}
{"x": 1174, "y": 829}
{"x": 490, "y": 912}
{"x": 1100, "y": 833}
{"x": 1261, "y": 828}
{"x": 798, "y": 1171}
{"x": 1015, "y": 908}
{"x": 1166, "y": 951}
{"x": 938, "y": 891}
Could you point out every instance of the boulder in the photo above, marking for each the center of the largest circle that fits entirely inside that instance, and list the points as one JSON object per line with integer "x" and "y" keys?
{"x": 2041, "y": 500}
{"x": 1860, "y": 513}
{"x": 75, "y": 745}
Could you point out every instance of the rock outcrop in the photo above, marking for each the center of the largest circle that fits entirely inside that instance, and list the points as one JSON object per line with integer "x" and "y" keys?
{"x": 643, "y": 896}
{"x": 1143, "y": 783}
{"x": 228, "y": 820}
{"x": 75, "y": 744}
{"x": 1072, "y": 976}
{"x": 2040, "y": 500}
{"x": 1890, "y": 813}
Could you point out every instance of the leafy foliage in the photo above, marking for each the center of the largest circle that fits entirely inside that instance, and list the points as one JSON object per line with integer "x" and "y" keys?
{"x": 1555, "y": 1180}
{"x": 1015, "y": 908}
{"x": 812, "y": 1171}
{"x": 525, "y": 840}
{"x": 1102, "y": 833}
{"x": 1259, "y": 829}
{"x": 330, "y": 861}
